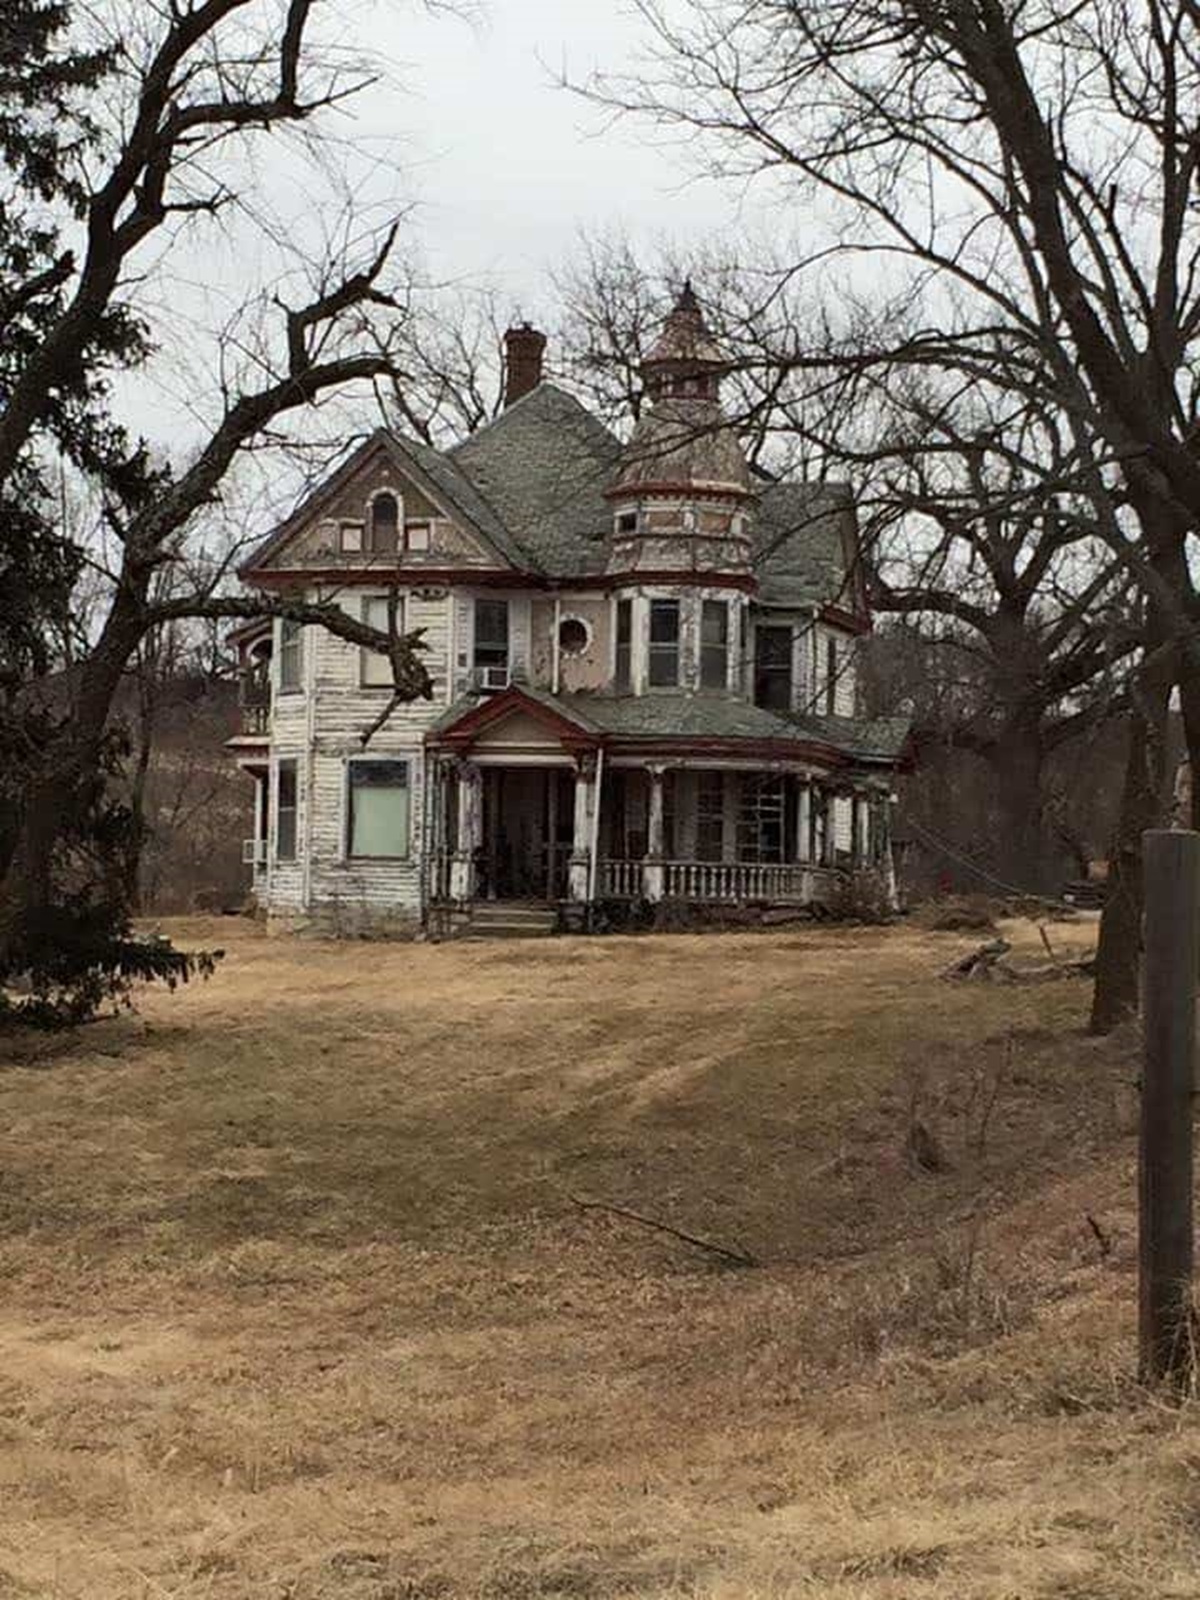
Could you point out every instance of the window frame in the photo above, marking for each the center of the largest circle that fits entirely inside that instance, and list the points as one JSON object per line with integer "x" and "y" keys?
{"x": 291, "y": 650}
{"x": 709, "y": 650}
{"x": 405, "y": 762}
{"x": 291, "y": 766}
{"x": 659, "y": 650}
{"x": 364, "y": 654}
{"x": 623, "y": 647}
{"x": 775, "y": 673}
{"x": 491, "y": 600}
{"x": 398, "y": 501}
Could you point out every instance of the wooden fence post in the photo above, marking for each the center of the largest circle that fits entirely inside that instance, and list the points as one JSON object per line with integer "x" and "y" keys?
{"x": 1171, "y": 865}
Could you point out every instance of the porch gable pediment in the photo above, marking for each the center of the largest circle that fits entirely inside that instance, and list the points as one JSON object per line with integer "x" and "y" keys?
{"x": 517, "y": 718}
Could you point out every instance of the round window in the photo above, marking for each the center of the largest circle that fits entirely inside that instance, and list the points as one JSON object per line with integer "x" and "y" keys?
{"x": 573, "y": 636}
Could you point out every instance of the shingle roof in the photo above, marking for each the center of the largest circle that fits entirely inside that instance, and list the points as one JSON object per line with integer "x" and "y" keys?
{"x": 801, "y": 535}
{"x": 543, "y": 466}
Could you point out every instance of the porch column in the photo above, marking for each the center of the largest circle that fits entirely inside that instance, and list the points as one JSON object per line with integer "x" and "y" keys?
{"x": 804, "y": 822}
{"x": 887, "y": 862}
{"x": 581, "y": 835}
{"x": 862, "y": 832}
{"x": 469, "y": 835}
{"x": 653, "y": 873}
{"x": 829, "y": 833}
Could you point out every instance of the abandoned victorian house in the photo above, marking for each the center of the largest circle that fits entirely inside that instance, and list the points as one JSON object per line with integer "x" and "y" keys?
{"x": 644, "y": 659}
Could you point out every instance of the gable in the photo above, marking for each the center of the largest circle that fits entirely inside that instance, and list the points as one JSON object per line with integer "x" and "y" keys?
{"x": 331, "y": 527}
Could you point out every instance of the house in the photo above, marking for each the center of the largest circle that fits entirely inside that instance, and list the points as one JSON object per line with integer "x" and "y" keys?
{"x": 644, "y": 663}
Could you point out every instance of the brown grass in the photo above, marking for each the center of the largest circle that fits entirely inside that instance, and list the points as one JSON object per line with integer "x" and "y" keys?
{"x": 297, "y": 1305}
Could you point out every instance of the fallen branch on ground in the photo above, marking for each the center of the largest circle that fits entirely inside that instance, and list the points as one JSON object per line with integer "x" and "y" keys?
{"x": 987, "y": 963}
{"x": 738, "y": 1257}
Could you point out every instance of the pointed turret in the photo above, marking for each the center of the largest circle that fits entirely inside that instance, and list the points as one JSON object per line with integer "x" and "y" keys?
{"x": 682, "y": 484}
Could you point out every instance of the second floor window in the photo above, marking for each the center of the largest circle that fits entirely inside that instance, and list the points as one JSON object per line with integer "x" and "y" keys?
{"x": 664, "y": 643}
{"x": 714, "y": 644}
{"x": 623, "y": 677}
{"x": 773, "y": 668}
{"x": 285, "y": 811}
{"x": 491, "y": 633}
{"x": 291, "y": 654}
{"x": 831, "y": 674}
{"x": 385, "y": 524}
{"x": 375, "y": 668}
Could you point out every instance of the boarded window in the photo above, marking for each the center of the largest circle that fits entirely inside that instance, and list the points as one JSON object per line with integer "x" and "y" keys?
{"x": 714, "y": 644}
{"x": 285, "y": 811}
{"x": 385, "y": 524}
{"x": 773, "y": 668}
{"x": 379, "y": 809}
{"x": 375, "y": 668}
{"x": 710, "y": 817}
{"x": 664, "y": 643}
{"x": 491, "y": 633}
{"x": 624, "y": 673}
{"x": 291, "y": 654}
{"x": 416, "y": 535}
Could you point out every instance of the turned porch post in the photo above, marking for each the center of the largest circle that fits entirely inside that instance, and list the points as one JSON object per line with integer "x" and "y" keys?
{"x": 469, "y": 832}
{"x": 581, "y": 835}
{"x": 804, "y": 822}
{"x": 829, "y": 838}
{"x": 653, "y": 873}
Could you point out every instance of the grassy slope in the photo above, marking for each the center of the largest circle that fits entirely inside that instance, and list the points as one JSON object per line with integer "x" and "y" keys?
{"x": 297, "y": 1303}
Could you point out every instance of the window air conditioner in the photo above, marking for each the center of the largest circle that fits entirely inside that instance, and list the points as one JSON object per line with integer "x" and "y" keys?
{"x": 492, "y": 678}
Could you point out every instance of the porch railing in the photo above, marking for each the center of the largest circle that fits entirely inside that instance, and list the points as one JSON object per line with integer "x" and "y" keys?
{"x": 719, "y": 881}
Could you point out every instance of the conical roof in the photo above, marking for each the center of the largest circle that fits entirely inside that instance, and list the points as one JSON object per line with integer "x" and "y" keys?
{"x": 685, "y": 340}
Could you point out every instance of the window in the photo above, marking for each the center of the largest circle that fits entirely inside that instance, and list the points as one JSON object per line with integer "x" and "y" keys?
{"x": 491, "y": 633}
{"x": 379, "y": 809}
{"x": 831, "y": 674}
{"x": 623, "y": 676}
{"x": 416, "y": 535}
{"x": 374, "y": 666}
{"x": 627, "y": 522}
{"x": 352, "y": 537}
{"x": 573, "y": 636}
{"x": 762, "y": 821}
{"x": 710, "y": 817}
{"x": 385, "y": 524}
{"x": 285, "y": 811}
{"x": 291, "y": 654}
{"x": 773, "y": 668}
{"x": 664, "y": 643}
{"x": 714, "y": 644}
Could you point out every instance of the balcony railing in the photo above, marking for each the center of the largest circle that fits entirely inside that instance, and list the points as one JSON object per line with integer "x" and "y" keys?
{"x": 256, "y": 699}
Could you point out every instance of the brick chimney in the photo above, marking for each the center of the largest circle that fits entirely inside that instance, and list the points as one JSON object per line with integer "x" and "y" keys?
{"x": 523, "y": 349}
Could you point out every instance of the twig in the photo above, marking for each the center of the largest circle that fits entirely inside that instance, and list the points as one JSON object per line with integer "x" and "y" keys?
{"x": 1102, "y": 1238}
{"x": 740, "y": 1258}
{"x": 1045, "y": 938}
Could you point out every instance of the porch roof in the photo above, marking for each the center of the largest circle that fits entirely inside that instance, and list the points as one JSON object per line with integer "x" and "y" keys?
{"x": 588, "y": 720}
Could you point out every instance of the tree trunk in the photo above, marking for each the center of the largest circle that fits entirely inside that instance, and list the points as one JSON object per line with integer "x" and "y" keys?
{"x": 1022, "y": 859}
{"x": 1143, "y": 795}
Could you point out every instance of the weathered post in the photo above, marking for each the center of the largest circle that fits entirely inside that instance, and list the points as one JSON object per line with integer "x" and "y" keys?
{"x": 1171, "y": 864}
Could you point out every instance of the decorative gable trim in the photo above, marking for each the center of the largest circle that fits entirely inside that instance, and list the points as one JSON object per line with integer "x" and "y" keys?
{"x": 575, "y": 735}
{"x": 381, "y": 442}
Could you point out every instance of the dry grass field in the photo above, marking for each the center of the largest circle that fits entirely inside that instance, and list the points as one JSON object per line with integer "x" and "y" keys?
{"x": 297, "y": 1304}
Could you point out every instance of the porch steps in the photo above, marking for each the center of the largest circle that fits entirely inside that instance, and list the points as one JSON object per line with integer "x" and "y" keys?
{"x": 500, "y": 919}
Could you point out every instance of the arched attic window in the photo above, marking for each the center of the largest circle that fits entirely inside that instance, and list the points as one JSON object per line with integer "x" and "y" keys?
{"x": 385, "y": 524}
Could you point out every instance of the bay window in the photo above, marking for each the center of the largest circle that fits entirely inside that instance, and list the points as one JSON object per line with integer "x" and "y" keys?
{"x": 714, "y": 644}
{"x": 664, "y": 643}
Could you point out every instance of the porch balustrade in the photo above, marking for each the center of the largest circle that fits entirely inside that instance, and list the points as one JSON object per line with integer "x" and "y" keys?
{"x": 733, "y": 881}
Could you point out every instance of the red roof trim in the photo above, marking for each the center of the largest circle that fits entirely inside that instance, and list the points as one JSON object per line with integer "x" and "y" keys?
{"x": 853, "y": 621}
{"x": 492, "y": 578}
{"x": 496, "y": 708}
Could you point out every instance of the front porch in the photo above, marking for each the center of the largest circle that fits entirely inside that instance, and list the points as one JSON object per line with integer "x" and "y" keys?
{"x": 580, "y": 834}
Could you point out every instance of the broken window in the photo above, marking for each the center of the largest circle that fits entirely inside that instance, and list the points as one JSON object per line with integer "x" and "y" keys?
{"x": 710, "y": 817}
{"x": 773, "y": 668}
{"x": 762, "y": 818}
{"x": 375, "y": 667}
{"x": 831, "y": 674}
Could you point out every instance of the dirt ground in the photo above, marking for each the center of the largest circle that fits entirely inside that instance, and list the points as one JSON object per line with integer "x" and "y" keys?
{"x": 299, "y": 1302}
